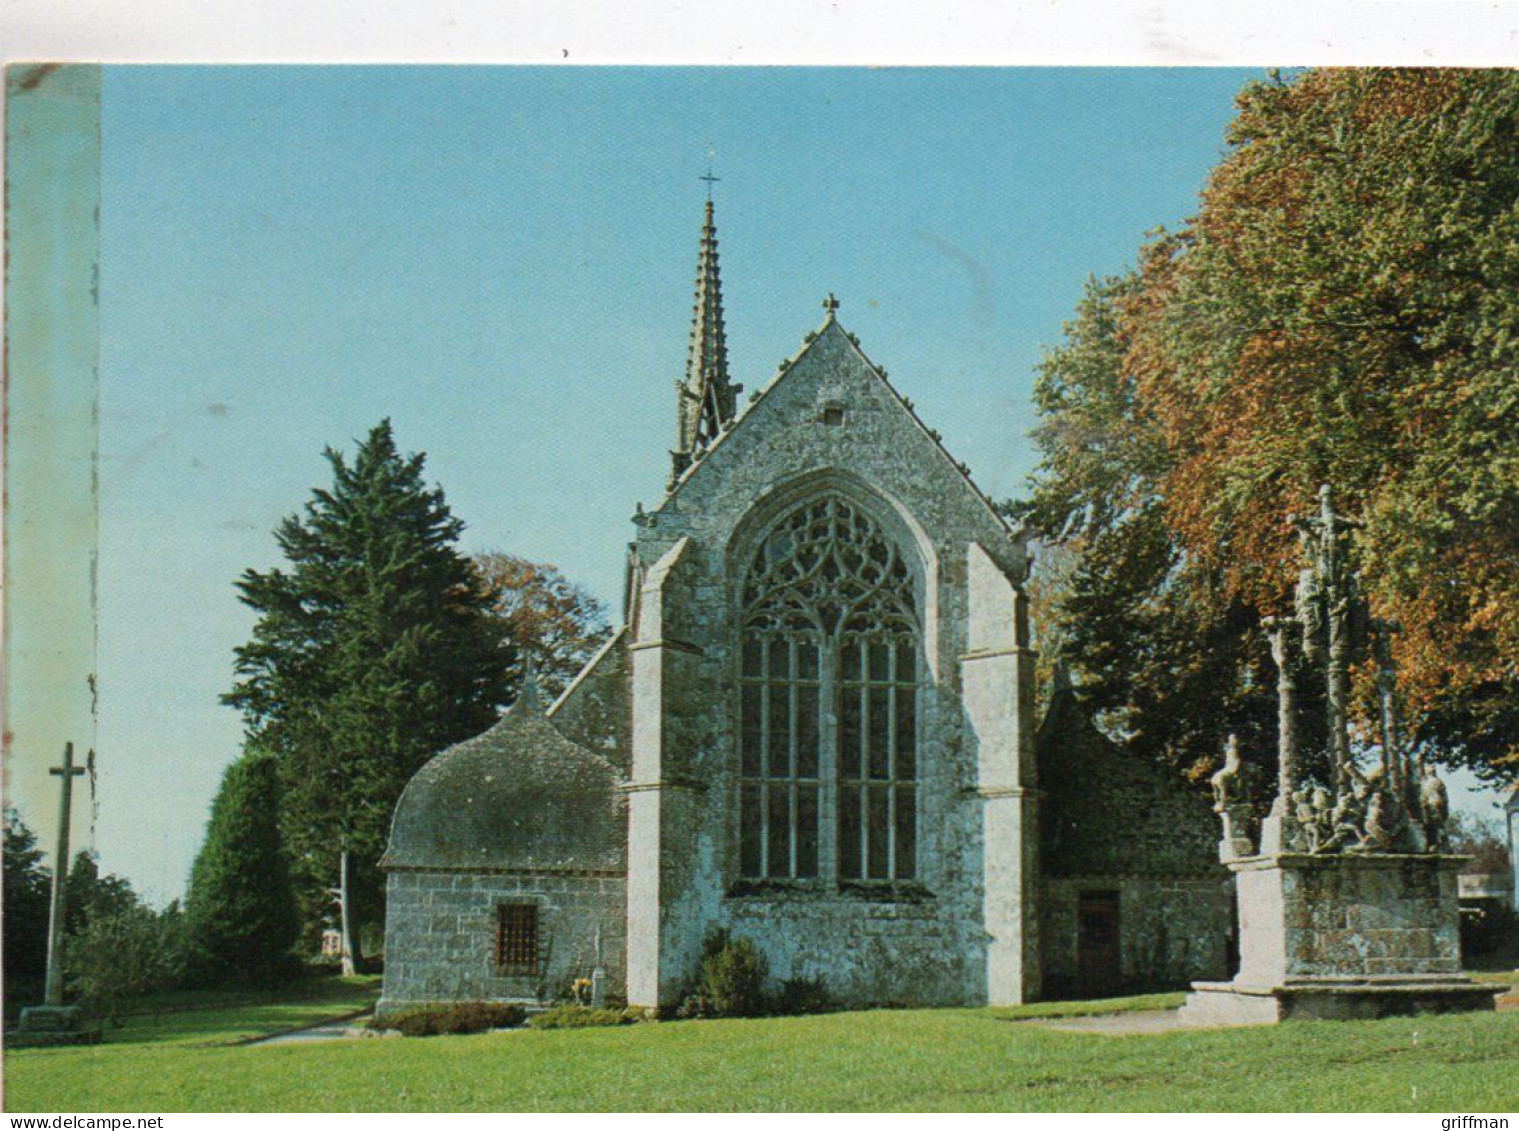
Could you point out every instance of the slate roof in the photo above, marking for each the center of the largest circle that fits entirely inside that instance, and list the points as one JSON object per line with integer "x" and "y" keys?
{"x": 520, "y": 797}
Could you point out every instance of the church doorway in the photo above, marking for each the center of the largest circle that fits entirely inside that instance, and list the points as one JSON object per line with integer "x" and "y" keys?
{"x": 1098, "y": 963}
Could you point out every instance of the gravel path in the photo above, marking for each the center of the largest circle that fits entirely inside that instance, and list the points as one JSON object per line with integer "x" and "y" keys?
{"x": 333, "y": 1029}
{"x": 1117, "y": 1024}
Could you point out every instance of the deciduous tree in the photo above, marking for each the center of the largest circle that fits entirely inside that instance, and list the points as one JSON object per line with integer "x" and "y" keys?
{"x": 549, "y": 620}
{"x": 1344, "y": 308}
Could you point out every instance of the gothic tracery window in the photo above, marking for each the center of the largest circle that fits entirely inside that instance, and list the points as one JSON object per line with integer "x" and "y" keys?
{"x": 829, "y": 618}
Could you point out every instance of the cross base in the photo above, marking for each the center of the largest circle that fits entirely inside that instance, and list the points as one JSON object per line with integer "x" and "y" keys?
{"x": 52, "y": 1025}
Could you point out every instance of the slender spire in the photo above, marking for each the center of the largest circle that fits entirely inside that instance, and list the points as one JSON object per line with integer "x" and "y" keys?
{"x": 707, "y": 399}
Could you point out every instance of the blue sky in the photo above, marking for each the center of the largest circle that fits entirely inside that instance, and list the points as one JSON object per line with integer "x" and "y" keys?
{"x": 500, "y": 260}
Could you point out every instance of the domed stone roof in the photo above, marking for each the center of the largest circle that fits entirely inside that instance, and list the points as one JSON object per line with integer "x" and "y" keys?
{"x": 520, "y": 796}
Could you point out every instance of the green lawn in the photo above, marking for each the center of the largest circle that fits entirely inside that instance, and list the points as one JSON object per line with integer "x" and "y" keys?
{"x": 952, "y": 1059}
{"x": 202, "y": 1017}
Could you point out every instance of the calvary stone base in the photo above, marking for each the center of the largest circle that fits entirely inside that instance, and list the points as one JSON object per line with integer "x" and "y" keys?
{"x": 1345, "y": 936}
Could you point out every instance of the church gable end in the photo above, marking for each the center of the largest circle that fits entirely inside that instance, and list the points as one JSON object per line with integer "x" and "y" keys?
{"x": 816, "y": 785}
{"x": 830, "y": 408}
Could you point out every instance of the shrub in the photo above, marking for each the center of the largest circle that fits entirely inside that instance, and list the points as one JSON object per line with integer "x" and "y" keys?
{"x": 466, "y": 1017}
{"x": 117, "y": 957}
{"x": 575, "y": 1016}
{"x": 803, "y": 995}
{"x": 730, "y": 981}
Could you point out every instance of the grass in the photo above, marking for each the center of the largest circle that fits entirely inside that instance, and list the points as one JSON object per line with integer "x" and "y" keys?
{"x": 1487, "y": 972}
{"x": 1053, "y": 1009}
{"x": 950, "y": 1059}
{"x": 201, "y": 1017}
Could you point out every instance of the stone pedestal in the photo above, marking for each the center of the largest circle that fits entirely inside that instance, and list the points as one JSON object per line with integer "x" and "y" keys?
{"x": 52, "y": 1025}
{"x": 1342, "y": 936}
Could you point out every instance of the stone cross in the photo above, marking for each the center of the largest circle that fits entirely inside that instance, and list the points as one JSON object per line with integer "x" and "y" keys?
{"x": 68, "y": 772}
{"x": 1394, "y": 767}
{"x": 1278, "y": 629}
{"x": 1335, "y": 591}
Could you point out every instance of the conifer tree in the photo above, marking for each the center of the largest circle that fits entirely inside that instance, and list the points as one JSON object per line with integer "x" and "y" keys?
{"x": 372, "y": 652}
{"x": 241, "y": 911}
{"x": 27, "y": 893}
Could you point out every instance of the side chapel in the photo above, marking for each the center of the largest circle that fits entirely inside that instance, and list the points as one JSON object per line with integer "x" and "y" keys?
{"x": 816, "y": 728}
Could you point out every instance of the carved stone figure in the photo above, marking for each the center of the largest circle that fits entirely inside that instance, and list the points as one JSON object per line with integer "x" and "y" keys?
{"x": 1385, "y": 822}
{"x": 1318, "y": 820}
{"x": 1302, "y": 807}
{"x": 1226, "y": 781}
{"x": 1434, "y": 809}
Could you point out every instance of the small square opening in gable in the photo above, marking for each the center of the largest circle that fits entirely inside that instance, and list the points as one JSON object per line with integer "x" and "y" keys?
{"x": 833, "y": 416}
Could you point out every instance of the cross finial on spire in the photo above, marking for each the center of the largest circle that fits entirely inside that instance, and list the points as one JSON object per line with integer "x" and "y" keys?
{"x": 830, "y": 304}
{"x": 528, "y": 700}
{"x": 708, "y": 177}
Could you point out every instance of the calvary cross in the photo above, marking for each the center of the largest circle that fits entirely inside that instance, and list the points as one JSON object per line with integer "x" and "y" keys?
{"x": 68, "y": 772}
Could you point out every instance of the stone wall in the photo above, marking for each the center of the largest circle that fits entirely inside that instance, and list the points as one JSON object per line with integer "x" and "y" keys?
{"x": 440, "y": 935}
{"x": 1112, "y": 821}
{"x": 1107, "y": 811}
{"x": 829, "y": 423}
{"x": 594, "y": 710}
{"x": 866, "y": 951}
{"x": 1172, "y": 930}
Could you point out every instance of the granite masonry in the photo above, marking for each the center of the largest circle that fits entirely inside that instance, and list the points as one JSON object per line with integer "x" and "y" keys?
{"x": 1129, "y": 856}
{"x": 816, "y": 729}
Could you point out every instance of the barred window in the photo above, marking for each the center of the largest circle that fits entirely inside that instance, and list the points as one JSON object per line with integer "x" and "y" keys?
{"x": 829, "y": 618}
{"x": 517, "y": 938}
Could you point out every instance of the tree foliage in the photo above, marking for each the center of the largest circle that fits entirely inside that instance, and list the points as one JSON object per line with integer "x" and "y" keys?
{"x": 28, "y": 896}
{"x": 89, "y": 894}
{"x": 241, "y": 912}
{"x": 1482, "y": 838}
{"x": 114, "y": 947}
{"x": 548, "y": 619}
{"x": 373, "y": 650}
{"x": 1164, "y": 660}
{"x": 1341, "y": 309}
{"x": 121, "y": 953}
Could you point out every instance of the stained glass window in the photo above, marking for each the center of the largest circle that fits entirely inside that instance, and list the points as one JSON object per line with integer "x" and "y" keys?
{"x": 829, "y": 617}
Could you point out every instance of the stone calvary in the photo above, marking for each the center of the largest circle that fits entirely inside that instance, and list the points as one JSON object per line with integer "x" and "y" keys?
{"x": 1347, "y": 901}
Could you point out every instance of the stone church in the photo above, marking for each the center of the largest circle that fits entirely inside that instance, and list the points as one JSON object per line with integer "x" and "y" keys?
{"x": 816, "y": 728}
